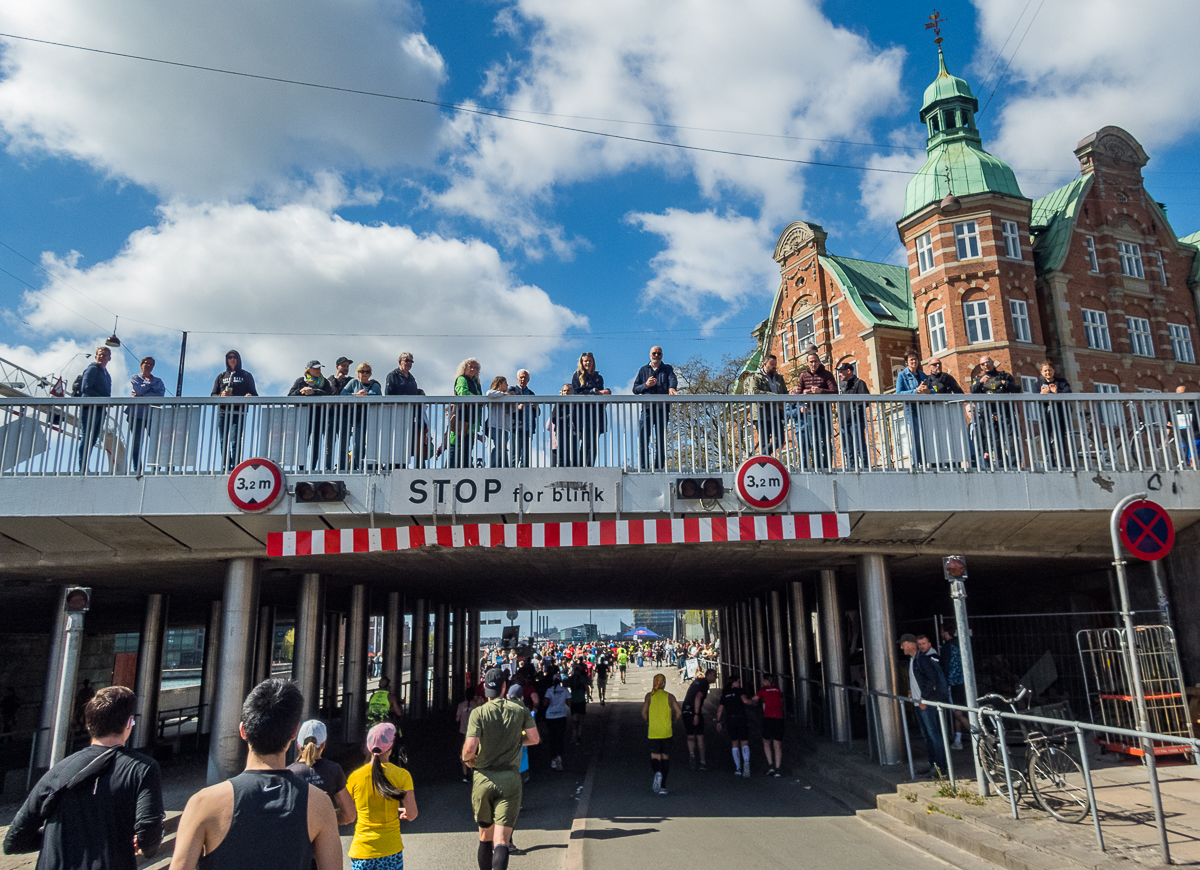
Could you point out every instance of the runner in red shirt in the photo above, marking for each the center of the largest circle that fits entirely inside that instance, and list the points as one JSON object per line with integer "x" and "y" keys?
{"x": 771, "y": 699}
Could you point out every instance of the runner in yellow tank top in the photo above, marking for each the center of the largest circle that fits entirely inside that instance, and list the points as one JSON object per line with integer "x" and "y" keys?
{"x": 660, "y": 710}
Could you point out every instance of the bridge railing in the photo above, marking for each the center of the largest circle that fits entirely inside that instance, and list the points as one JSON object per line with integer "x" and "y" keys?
{"x": 702, "y": 435}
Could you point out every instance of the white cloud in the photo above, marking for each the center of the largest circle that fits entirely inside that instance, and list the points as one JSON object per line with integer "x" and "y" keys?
{"x": 207, "y": 136}
{"x": 882, "y": 193}
{"x": 1086, "y": 64}
{"x": 775, "y": 68}
{"x": 238, "y": 276}
{"x": 712, "y": 265}
{"x": 63, "y": 357}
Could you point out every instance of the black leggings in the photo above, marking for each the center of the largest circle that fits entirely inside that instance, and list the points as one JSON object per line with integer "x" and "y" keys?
{"x": 556, "y": 731}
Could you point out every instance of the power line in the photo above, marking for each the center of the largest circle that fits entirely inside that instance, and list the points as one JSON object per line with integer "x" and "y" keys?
{"x": 1000, "y": 53}
{"x": 1000, "y": 80}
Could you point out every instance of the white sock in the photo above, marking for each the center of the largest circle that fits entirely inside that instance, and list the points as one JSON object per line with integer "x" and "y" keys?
{"x": 746, "y": 756}
{"x": 737, "y": 759}
{"x": 958, "y": 737}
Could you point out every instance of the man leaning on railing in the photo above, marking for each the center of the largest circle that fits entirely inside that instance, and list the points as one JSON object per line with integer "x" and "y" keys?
{"x": 95, "y": 382}
{"x": 768, "y": 419}
{"x": 142, "y": 385}
{"x": 234, "y": 382}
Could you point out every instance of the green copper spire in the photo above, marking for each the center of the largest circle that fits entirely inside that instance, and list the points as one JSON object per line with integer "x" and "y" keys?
{"x": 954, "y": 148}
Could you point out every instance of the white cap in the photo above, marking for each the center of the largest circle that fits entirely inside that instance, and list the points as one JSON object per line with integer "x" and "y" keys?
{"x": 313, "y": 728}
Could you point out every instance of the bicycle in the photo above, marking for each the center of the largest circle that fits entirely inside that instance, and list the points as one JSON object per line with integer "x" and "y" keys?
{"x": 1051, "y": 773}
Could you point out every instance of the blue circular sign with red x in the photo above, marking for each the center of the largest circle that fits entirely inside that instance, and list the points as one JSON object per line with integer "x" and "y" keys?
{"x": 1146, "y": 530}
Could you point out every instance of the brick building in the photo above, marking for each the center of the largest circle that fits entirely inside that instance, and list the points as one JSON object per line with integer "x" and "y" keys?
{"x": 1090, "y": 276}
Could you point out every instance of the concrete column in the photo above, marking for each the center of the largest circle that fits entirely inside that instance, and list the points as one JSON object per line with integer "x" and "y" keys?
{"x": 212, "y": 661}
{"x": 58, "y": 643}
{"x": 418, "y": 668}
{"x": 149, "y": 671}
{"x": 762, "y": 662}
{"x": 723, "y": 635}
{"x": 779, "y": 661}
{"x": 354, "y": 677}
{"x": 744, "y": 646}
{"x": 333, "y": 659}
{"x": 833, "y": 656}
{"x": 799, "y": 628}
{"x": 441, "y": 655}
{"x": 879, "y": 648}
{"x": 393, "y": 641}
{"x": 264, "y": 647}
{"x": 225, "y": 750}
{"x": 458, "y": 657}
{"x": 473, "y": 653}
{"x": 306, "y": 642}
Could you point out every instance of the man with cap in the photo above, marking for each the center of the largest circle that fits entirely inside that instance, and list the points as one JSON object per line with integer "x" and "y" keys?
{"x": 496, "y": 732}
{"x": 339, "y": 417}
{"x": 854, "y": 432}
{"x": 926, "y": 682}
{"x": 313, "y": 383}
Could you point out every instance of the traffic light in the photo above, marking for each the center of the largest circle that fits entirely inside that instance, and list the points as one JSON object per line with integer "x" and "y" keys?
{"x": 321, "y": 490}
{"x": 79, "y": 599}
{"x": 695, "y": 487}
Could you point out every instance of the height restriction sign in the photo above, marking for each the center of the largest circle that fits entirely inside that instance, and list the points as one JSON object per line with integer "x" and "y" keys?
{"x": 1146, "y": 530}
{"x": 255, "y": 485}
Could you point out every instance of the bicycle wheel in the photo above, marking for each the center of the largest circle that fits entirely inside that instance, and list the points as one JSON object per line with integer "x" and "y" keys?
{"x": 991, "y": 759}
{"x": 1058, "y": 784}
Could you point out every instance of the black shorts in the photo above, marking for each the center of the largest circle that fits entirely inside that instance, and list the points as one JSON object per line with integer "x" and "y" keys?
{"x": 772, "y": 729}
{"x": 661, "y": 747}
{"x": 958, "y": 694}
{"x": 736, "y": 728}
{"x": 579, "y": 708}
{"x": 692, "y": 726}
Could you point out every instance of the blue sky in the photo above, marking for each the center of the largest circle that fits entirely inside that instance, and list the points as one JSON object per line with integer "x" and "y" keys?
{"x": 279, "y": 219}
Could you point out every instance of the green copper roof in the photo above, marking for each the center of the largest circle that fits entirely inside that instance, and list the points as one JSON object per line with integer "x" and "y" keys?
{"x": 1053, "y": 222}
{"x": 1194, "y": 241}
{"x": 954, "y": 148}
{"x": 880, "y": 293}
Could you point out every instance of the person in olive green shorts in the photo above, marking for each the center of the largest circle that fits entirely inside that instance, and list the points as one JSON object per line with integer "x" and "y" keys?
{"x": 496, "y": 732}
{"x": 660, "y": 710}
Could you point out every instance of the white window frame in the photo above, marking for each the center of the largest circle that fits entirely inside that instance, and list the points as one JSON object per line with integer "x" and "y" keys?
{"x": 835, "y": 320}
{"x": 1162, "y": 267}
{"x": 966, "y": 240}
{"x": 1141, "y": 338}
{"x": 1131, "y": 260}
{"x": 924, "y": 253}
{"x": 1095, "y": 327}
{"x": 1106, "y": 388}
{"x": 978, "y": 320}
{"x": 811, "y": 335}
{"x": 936, "y": 321}
{"x": 1181, "y": 342}
{"x": 784, "y": 344}
{"x": 1018, "y": 309}
{"x": 1012, "y": 239}
{"x": 1029, "y": 384}
{"x": 1093, "y": 262}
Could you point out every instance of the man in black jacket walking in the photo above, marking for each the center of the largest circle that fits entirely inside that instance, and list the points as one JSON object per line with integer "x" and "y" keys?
{"x": 99, "y": 808}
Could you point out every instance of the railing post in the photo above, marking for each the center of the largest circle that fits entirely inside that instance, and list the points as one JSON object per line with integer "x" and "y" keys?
{"x": 1087, "y": 778}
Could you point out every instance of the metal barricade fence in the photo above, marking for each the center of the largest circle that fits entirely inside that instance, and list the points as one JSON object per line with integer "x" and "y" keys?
{"x": 684, "y": 434}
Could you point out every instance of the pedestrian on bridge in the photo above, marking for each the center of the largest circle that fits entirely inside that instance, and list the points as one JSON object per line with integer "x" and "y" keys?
{"x": 234, "y": 382}
{"x": 94, "y": 382}
{"x": 592, "y": 419}
{"x": 313, "y": 383}
{"x": 657, "y": 378}
{"x": 145, "y": 384}
{"x": 660, "y": 709}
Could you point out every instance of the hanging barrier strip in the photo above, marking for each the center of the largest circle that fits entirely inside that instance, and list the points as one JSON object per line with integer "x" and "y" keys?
{"x": 686, "y": 530}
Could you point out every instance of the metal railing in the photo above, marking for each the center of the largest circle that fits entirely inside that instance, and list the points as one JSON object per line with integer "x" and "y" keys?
{"x": 681, "y": 434}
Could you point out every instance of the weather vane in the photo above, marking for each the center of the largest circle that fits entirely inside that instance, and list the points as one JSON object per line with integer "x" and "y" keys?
{"x": 935, "y": 24}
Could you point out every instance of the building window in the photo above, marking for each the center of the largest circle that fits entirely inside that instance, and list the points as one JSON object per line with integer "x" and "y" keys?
{"x": 1107, "y": 388}
{"x": 979, "y": 325}
{"x": 1029, "y": 384}
{"x": 924, "y": 253}
{"x": 966, "y": 239}
{"x": 937, "y": 331}
{"x": 1012, "y": 239}
{"x": 1139, "y": 335}
{"x": 1181, "y": 342}
{"x": 806, "y": 333}
{"x": 1162, "y": 268}
{"x": 1093, "y": 263}
{"x": 835, "y": 321}
{"x": 1131, "y": 259}
{"x": 1020, "y": 319}
{"x": 783, "y": 343}
{"x": 1095, "y": 324}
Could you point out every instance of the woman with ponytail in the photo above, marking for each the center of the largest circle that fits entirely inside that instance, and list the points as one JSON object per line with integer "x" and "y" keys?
{"x": 383, "y": 796}
{"x": 326, "y": 775}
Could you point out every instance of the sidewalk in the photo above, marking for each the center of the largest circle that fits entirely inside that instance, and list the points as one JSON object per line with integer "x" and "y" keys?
{"x": 1035, "y": 840}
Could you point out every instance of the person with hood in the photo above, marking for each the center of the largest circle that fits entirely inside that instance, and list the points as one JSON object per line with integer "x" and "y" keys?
{"x": 313, "y": 383}
{"x": 363, "y": 386}
{"x": 234, "y": 382}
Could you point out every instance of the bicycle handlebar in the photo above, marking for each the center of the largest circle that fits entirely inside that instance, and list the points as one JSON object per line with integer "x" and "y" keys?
{"x": 1012, "y": 702}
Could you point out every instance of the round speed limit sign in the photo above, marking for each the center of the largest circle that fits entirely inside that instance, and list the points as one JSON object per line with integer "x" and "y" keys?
{"x": 255, "y": 485}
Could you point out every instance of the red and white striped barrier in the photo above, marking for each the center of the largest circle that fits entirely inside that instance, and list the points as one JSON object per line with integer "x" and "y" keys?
{"x": 684, "y": 530}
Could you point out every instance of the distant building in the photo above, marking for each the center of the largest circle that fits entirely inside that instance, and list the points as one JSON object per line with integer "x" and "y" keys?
{"x": 585, "y": 633}
{"x": 658, "y": 621}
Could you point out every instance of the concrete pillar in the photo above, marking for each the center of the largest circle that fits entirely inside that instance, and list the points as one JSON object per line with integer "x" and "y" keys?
{"x": 879, "y": 648}
{"x": 264, "y": 647}
{"x": 306, "y": 641}
{"x": 473, "y": 653}
{"x": 833, "y": 657}
{"x": 354, "y": 677}
{"x": 63, "y": 709}
{"x": 762, "y": 661}
{"x": 744, "y": 645}
{"x": 723, "y": 636}
{"x": 458, "y": 657}
{"x": 58, "y": 643}
{"x": 441, "y": 655}
{"x": 393, "y": 641}
{"x": 212, "y": 662}
{"x": 149, "y": 671}
{"x": 779, "y": 661}
{"x": 333, "y": 659}
{"x": 225, "y": 750}
{"x": 799, "y": 625}
{"x": 418, "y": 667}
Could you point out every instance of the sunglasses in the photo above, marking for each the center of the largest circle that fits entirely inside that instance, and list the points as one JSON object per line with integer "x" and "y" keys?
{"x": 655, "y": 354}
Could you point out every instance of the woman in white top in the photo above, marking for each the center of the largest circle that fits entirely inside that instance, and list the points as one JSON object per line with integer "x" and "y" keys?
{"x": 499, "y": 421}
{"x": 558, "y": 708}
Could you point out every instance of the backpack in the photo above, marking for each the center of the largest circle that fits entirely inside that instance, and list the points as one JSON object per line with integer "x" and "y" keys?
{"x": 77, "y": 387}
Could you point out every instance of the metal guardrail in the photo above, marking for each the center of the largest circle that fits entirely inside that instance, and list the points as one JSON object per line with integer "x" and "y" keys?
{"x": 682, "y": 434}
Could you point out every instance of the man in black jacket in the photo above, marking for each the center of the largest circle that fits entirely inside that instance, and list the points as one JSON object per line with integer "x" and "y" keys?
{"x": 940, "y": 381}
{"x": 1058, "y": 420}
{"x": 235, "y": 381}
{"x": 99, "y": 808}
{"x": 926, "y": 682}
{"x": 339, "y": 416}
{"x": 96, "y": 382}
{"x": 400, "y": 381}
{"x": 313, "y": 383}
{"x": 656, "y": 378}
{"x": 855, "y": 436}
{"x": 992, "y": 439}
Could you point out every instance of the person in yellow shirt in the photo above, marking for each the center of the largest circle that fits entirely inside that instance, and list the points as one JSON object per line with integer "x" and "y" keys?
{"x": 383, "y": 797}
{"x": 660, "y": 710}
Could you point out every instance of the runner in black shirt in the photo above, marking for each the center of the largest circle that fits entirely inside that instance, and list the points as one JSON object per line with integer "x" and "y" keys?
{"x": 602, "y": 669}
{"x": 693, "y": 718}
{"x": 732, "y": 709}
{"x": 326, "y": 775}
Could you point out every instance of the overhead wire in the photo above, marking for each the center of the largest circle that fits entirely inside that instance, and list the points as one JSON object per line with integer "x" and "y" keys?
{"x": 1000, "y": 80}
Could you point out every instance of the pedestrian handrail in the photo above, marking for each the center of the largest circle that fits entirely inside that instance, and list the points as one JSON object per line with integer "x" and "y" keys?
{"x": 678, "y": 434}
